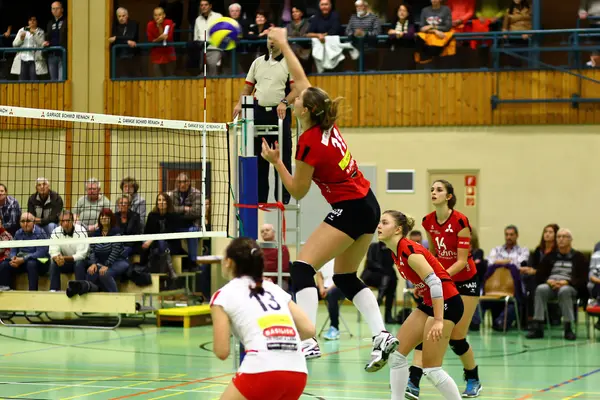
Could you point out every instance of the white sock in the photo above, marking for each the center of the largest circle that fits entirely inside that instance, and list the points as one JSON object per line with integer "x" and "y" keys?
{"x": 398, "y": 375}
{"x": 366, "y": 303}
{"x": 443, "y": 383}
{"x": 308, "y": 300}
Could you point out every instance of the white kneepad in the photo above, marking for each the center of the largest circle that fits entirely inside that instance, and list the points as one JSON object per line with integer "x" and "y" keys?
{"x": 435, "y": 375}
{"x": 397, "y": 361}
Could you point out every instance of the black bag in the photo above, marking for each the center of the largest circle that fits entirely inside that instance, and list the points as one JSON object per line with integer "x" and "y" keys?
{"x": 139, "y": 274}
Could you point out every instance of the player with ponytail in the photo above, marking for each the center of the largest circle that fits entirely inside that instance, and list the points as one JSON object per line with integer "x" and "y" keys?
{"x": 434, "y": 319}
{"x": 267, "y": 322}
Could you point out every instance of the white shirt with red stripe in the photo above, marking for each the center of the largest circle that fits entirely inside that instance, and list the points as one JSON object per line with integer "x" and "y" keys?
{"x": 264, "y": 325}
{"x": 270, "y": 77}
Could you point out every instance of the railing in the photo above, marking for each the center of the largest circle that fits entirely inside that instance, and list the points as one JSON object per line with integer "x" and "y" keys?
{"x": 497, "y": 43}
{"x": 8, "y": 57}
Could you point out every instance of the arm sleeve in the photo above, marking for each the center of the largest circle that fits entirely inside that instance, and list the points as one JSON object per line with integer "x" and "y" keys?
{"x": 219, "y": 299}
{"x": 116, "y": 250}
{"x": 251, "y": 78}
{"x": 446, "y": 17}
{"x": 149, "y": 32}
{"x": 524, "y": 258}
{"x": 54, "y": 249}
{"x": 349, "y": 27}
{"x": 493, "y": 257}
{"x": 92, "y": 254}
{"x": 82, "y": 251}
{"x": 57, "y": 207}
{"x": 308, "y": 151}
{"x": 376, "y": 31}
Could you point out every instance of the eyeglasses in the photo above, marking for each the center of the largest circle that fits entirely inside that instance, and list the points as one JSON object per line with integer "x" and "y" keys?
{"x": 27, "y": 220}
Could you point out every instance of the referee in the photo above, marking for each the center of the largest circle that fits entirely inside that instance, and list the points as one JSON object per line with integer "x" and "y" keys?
{"x": 270, "y": 80}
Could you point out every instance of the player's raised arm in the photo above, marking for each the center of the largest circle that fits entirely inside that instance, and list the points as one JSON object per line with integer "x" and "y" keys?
{"x": 279, "y": 37}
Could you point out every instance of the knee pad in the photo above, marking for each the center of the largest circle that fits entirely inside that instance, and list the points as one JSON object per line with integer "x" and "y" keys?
{"x": 419, "y": 347}
{"x": 303, "y": 275}
{"x": 459, "y": 347}
{"x": 349, "y": 284}
{"x": 436, "y": 375}
{"x": 397, "y": 361}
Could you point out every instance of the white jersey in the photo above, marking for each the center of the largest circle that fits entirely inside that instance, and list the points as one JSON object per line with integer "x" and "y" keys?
{"x": 264, "y": 325}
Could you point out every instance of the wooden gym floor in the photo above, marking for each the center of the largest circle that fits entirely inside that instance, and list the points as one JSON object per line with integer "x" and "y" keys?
{"x": 170, "y": 362}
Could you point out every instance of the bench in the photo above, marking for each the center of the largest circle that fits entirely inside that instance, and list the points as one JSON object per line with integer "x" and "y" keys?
{"x": 190, "y": 316}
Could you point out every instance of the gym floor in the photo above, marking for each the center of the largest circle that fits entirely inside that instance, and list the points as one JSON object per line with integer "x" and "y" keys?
{"x": 151, "y": 363}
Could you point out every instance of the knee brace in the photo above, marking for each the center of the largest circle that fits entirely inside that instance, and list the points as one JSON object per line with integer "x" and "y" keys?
{"x": 436, "y": 375}
{"x": 303, "y": 276}
{"x": 459, "y": 347}
{"x": 419, "y": 347}
{"x": 397, "y": 361}
{"x": 349, "y": 284}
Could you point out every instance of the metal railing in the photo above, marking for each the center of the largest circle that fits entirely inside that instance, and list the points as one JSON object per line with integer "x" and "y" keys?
{"x": 8, "y": 56}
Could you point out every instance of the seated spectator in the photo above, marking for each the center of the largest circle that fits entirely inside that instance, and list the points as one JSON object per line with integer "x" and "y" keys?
{"x": 89, "y": 206}
{"x": 259, "y": 30}
{"x": 510, "y": 252}
{"x": 547, "y": 245}
{"x": 594, "y": 281}
{"x": 206, "y": 18}
{"x": 33, "y": 260}
{"x": 45, "y": 205}
{"x": 462, "y": 13}
{"x": 10, "y": 211}
{"x": 416, "y": 7}
{"x": 187, "y": 203}
{"x": 380, "y": 272}
{"x": 325, "y": 22}
{"x": 436, "y": 37}
{"x": 130, "y": 188}
{"x": 160, "y": 31}
{"x": 267, "y": 233}
{"x": 107, "y": 260}
{"x": 417, "y": 236}
{"x": 29, "y": 65}
{"x": 4, "y": 253}
{"x": 518, "y": 18}
{"x": 333, "y": 295}
{"x": 128, "y": 222}
{"x": 162, "y": 219}
{"x": 402, "y": 41}
{"x": 364, "y": 23}
{"x": 591, "y": 8}
{"x": 235, "y": 12}
{"x": 561, "y": 275}
{"x": 125, "y": 32}
{"x": 67, "y": 258}
{"x": 298, "y": 28}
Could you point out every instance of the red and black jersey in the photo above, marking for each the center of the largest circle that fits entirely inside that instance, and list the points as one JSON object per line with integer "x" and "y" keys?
{"x": 336, "y": 172}
{"x": 446, "y": 241}
{"x": 407, "y": 247}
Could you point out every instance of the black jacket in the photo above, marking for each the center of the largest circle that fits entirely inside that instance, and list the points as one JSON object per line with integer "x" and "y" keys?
{"x": 123, "y": 34}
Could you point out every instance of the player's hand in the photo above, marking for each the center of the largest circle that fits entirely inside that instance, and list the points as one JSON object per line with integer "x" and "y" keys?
{"x": 281, "y": 110}
{"x": 278, "y": 36}
{"x": 435, "y": 333}
{"x": 271, "y": 154}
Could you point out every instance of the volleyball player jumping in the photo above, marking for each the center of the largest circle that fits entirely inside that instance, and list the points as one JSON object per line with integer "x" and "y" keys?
{"x": 266, "y": 321}
{"x": 433, "y": 320}
{"x": 450, "y": 233}
{"x": 346, "y": 233}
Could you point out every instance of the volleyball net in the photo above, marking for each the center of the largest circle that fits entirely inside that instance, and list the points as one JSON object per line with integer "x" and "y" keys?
{"x": 82, "y": 162}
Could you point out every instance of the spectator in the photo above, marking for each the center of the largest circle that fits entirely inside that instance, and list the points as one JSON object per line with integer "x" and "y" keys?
{"x": 160, "y": 31}
{"x": 125, "y": 32}
{"x": 205, "y": 19}
{"x": 298, "y": 28}
{"x": 10, "y": 211}
{"x": 436, "y": 19}
{"x": 56, "y": 36}
{"x": 380, "y": 272}
{"x": 326, "y": 22}
{"x": 33, "y": 260}
{"x": 107, "y": 260}
{"x": 235, "y": 12}
{"x": 333, "y": 295}
{"x": 591, "y": 8}
{"x": 128, "y": 222}
{"x": 29, "y": 65}
{"x": 174, "y": 11}
{"x": 162, "y": 219}
{"x": 489, "y": 11}
{"x": 416, "y": 7}
{"x": 402, "y": 41}
{"x": 4, "y": 253}
{"x": 363, "y": 23}
{"x": 267, "y": 233}
{"x": 45, "y": 205}
{"x": 478, "y": 256}
{"x": 67, "y": 258}
{"x": 89, "y": 206}
{"x": 130, "y": 188}
{"x": 187, "y": 203}
{"x": 594, "y": 283}
{"x": 259, "y": 30}
{"x": 518, "y": 18}
{"x": 435, "y": 37}
{"x": 561, "y": 275}
{"x": 510, "y": 252}
{"x": 462, "y": 12}
{"x": 417, "y": 236}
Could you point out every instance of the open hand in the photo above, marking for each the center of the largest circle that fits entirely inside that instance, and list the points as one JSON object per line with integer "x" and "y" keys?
{"x": 271, "y": 154}
{"x": 435, "y": 333}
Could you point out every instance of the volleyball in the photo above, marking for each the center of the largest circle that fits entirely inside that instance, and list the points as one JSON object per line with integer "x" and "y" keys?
{"x": 224, "y": 33}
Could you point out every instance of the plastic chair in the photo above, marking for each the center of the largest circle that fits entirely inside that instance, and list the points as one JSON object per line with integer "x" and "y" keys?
{"x": 342, "y": 322}
{"x": 501, "y": 287}
{"x": 592, "y": 310}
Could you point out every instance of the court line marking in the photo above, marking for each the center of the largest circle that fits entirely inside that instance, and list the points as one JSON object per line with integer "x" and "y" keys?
{"x": 577, "y": 378}
{"x": 572, "y": 397}
{"x": 180, "y": 393}
{"x": 70, "y": 386}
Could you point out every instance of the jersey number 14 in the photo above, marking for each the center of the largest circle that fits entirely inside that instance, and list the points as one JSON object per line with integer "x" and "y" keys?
{"x": 270, "y": 303}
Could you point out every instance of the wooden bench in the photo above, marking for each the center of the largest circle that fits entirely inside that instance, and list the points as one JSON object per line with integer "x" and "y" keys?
{"x": 190, "y": 316}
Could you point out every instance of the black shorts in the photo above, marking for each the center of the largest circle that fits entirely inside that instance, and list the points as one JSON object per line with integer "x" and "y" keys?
{"x": 472, "y": 287}
{"x": 355, "y": 217}
{"x": 453, "y": 309}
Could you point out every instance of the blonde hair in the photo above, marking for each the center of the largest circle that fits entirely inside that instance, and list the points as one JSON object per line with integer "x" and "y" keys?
{"x": 405, "y": 221}
{"x": 323, "y": 110}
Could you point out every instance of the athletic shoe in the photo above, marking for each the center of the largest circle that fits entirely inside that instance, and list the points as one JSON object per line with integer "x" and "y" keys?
{"x": 332, "y": 334}
{"x": 311, "y": 349}
{"x": 383, "y": 345}
{"x": 412, "y": 392}
{"x": 473, "y": 388}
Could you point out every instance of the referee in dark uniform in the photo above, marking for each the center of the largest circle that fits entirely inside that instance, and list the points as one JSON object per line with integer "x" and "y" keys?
{"x": 270, "y": 80}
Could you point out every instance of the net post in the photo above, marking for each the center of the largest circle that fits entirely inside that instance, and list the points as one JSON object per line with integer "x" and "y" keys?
{"x": 203, "y": 194}
{"x": 248, "y": 116}
{"x": 280, "y": 213}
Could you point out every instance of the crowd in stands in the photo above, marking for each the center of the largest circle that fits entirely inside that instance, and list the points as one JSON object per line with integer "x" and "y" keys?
{"x": 94, "y": 215}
